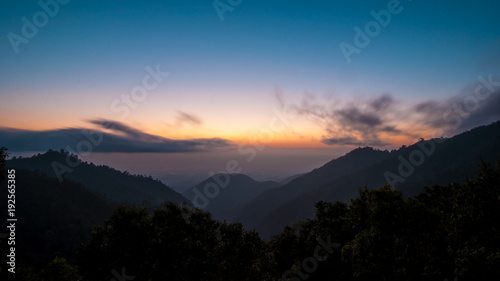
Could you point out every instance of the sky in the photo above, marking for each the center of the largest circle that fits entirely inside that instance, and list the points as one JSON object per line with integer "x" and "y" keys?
{"x": 289, "y": 79}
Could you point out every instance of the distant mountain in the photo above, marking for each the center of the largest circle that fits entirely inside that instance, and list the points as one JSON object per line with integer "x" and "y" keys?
{"x": 181, "y": 183}
{"x": 234, "y": 191}
{"x": 289, "y": 179}
{"x": 353, "y": 162}
{"x": 437, "y": 161}
{"x": 113, "y": 184}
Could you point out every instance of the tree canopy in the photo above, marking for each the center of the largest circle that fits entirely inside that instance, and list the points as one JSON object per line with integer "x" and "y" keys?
{"x": 446, "y": 232}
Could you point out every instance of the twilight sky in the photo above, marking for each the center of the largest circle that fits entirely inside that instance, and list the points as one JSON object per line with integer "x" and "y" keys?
{"x": 193, "y": 76}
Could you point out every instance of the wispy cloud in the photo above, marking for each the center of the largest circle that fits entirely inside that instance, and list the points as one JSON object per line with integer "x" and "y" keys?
{"x": 183, "y": 118}
{"x": 123, "y": 139}
{"x": 378, "y": 121}
{"x": 123, "y": 129}
{"x": 353, "y": 141}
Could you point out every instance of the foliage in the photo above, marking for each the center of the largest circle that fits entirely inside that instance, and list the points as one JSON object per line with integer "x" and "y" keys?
{"x": 53, "y": 218}
{"x": 3, "y": 156}
{"x": 172, "y": 243}
{"x": 445, "y": 232}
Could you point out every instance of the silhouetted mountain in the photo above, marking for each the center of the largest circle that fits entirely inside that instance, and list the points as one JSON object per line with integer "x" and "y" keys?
{"x": 352, "y": 162}
{"x": 113, "y": 184}
{"x": 53, "y": 217}
{"x": 289, "y": 179}
{"x": 181, "y": 183}
{"x": 444, "y": 160}
{"x": 234, "y": 191}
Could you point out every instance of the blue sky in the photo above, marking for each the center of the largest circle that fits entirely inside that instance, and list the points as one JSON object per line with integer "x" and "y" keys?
{"x": 231, "y": 74}
{"x": 99, "y": 43}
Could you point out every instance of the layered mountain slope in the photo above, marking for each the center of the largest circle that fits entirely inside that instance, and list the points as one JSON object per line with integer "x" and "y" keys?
{"x": 225, "y": 194}
{"x": 113, "y": 184}
{"x": 352, "y": 162}
{"x": 410, "y": 168}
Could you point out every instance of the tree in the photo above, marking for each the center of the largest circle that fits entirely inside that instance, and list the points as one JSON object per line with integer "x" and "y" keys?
{"x": 3, "y": 156}
{"x": 378, "y": 215}
{"x": 172, "y": 243}
{"x": 60, "y": 270}
{"x": 474, "y": 227}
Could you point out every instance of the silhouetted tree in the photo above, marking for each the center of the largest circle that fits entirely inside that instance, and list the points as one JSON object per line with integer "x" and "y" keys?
{"x": 3, "y": 157}
{"x": 172, "y": 243}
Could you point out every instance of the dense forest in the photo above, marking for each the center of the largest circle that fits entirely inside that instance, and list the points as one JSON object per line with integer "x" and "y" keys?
{"x": 447, "y": 232}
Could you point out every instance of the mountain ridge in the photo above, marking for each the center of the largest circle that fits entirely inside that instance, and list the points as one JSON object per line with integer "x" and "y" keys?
{"x": 350, "y": 163}
{"x": 232, "y": 191}
{"x": 443, "y": 165}
{"x": 113, "y": 184}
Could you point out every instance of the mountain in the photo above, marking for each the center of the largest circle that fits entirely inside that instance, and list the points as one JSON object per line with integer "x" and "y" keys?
{"x": 289, "y": 179}
{"x": 409, "y": 168}
{"x": 224, "y": 194}
{"x": 53, "y": 217}
{"x": 356, "y": 160}
{"x": 181, "y": 183}
{"x": 113, "y": 184}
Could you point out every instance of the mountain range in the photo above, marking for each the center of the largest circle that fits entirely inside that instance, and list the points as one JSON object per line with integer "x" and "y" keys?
{"x": 410, "y": 168}
{"x": 269, "y": 206}
{"x": 114, "y": 185}
{"x": 234, "y": 192}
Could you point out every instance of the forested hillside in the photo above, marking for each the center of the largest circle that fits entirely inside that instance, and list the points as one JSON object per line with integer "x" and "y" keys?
{"x": 446, "y": 232}
{"x": 114, "y": 185}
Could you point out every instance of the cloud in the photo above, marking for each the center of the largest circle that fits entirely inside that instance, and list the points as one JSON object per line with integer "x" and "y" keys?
{"x": 381, "y": 103}
{"x": 185, "y": 118}
{"x": 119, "y": 127}
{"x": 390, "y": 129}
{"x": 128, "y": 140}
{"x": 377, "y": 121}
{"x": 351, "y": 122}
{"x": 353, "y": 141}
{"x": 353, "y": 117}
{"x": 487, "y": 112}
{"x": 278, "y": 95}
{"x": 474, "y": 106}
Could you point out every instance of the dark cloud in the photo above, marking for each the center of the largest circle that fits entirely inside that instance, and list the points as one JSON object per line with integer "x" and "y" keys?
{"x": 366, "y": 122}
{"x": 355, "y": 123}
{"x": 353, "y": 141}
{"x": 427, "y": 107}
{"x": 390, "y": 129}
{"x": 430, "y": 114}
{"x": 129, "y": 141}
{"x": 119, "y": 127}
{"x": 488, "y": 111}
{"x": 381, "y": 103}
{"x": 463, "y": 111}
{"x": 353, "y": 117}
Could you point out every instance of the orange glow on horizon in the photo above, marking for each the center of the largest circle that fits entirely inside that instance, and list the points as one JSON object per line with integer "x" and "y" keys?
{"x": 303, "y": 134}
